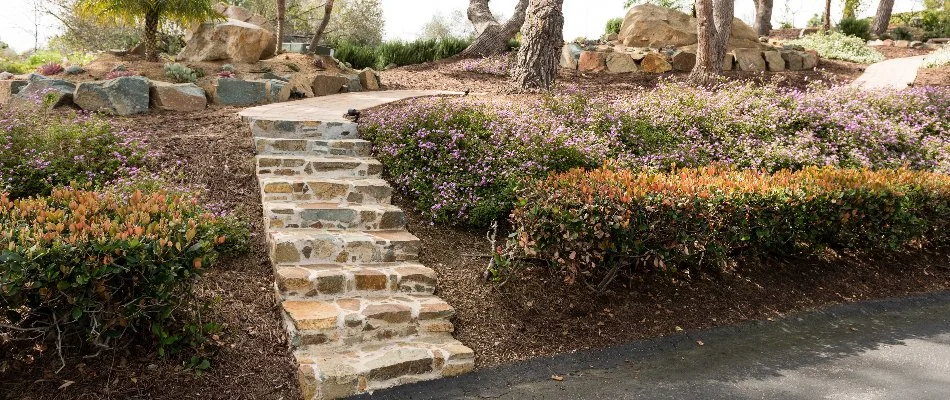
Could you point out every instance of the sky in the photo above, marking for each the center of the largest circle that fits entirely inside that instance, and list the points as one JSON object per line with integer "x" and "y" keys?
{"x": 405, "y": 18}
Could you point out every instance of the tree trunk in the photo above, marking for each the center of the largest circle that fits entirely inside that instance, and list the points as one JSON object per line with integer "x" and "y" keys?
{"x": 883, "y": 17}
{"x": 714, "y": 28}
{"x": 543, "y": 32}
{"x": 827, "y": 25}
{"x": 281, "y": 24}
{"x": 763, "y": 17}
{"x": 723, "y": 14}
{"x": 151, "y": 36}
{"x": 492, "y": 37}
{"x": 318, "y": 36}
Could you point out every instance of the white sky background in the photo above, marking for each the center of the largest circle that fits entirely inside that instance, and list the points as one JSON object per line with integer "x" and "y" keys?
{"x": 405, "y": 18}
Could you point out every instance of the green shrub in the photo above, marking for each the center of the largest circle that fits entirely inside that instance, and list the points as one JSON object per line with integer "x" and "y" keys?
{"x": 938, "y": 58}
{"x": 838, "y": 46}
{"x": 42, "y": 150}
{"x": 902, "y": 33}
{"x": 180, "y": 73}
{"x": 613, "y": 25}
{"x": 585, "y": 223}
{"x": 109, "y": 264}
{"x": 855, "y": 27}
{"x": 399, "y": 53}
{"x": 14, "y": 67}
{"x": 935, "y": 23}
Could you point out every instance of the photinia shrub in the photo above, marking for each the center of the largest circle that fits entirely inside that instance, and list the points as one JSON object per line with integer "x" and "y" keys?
{"x": 109, "y": 263}
{"x": 587, "y": 222}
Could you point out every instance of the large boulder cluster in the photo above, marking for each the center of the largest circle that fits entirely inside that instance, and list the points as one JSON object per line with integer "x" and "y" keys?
{"x": 129, "y": 95}
{"x": 657, "y": 39}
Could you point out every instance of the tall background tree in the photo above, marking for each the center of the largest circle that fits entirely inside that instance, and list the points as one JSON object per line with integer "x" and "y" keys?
{"x": 543, "y": 36}
{"x": 491, "y": 37}
{"x": 763, "y": 17}
{"x": 851, "y": 8}
{"x": 151, "y": 13}
{"x": 357, "y": 21}
{"x": 714, "y": 27}
{"x": 318, "y": 35}
{"x": 281, "y": 24}
{"x": 85, "y": 34}
{"x": 883, "y": 17}
{"x": 827, "y": 17}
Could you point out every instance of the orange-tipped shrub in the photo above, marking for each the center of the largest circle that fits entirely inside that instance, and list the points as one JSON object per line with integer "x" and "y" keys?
{"x": 107, "y": 263}
{"x": 587, "y": 222}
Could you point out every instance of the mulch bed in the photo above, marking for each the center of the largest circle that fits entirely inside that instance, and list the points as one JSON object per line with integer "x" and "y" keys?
{"x": 252, "y": 360}
{"x": 939, "y": 76}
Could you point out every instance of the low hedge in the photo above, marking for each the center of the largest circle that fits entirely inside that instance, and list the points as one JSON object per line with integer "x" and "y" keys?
{"x": 107, "y": 263}
{"x": 586, "y": 222}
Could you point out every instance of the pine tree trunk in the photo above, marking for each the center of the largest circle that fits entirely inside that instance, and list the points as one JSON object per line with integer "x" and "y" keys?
{"x": 883, "y": 17}
{"x": 714, "y": 28}
{"x": 151, "y": 37}
{"x": 492, "y": 37}
{"x": 281, "y": 24}
{"x": 543, "y": 32}
{"x": 827, "y": 23}
{"x": 763, "y": 17}
{"x": 318, "y": 36}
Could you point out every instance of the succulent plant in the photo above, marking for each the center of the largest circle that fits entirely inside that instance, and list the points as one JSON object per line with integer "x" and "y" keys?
{"x": 50, "y": 69}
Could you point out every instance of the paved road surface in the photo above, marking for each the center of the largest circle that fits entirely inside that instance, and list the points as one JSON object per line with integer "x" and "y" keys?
{"x": 897, "y": 73}
{"x": 890, "y": 349}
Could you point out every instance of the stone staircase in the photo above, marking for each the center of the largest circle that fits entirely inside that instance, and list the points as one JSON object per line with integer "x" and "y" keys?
{"x": 360, "y": 309}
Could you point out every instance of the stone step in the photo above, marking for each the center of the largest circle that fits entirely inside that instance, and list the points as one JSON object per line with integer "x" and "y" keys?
{"x": 331, "y": 372}
{"x": 342, "y": 147}
{"x": 361, "y": 319}
{"x": 320, "y": 166}
{"x": 277, "y": 129}
{"x": 335, "y": 279}
{"x": 326, "y": 190}
{"x": 316, "y": 246}
{"x": 333, "y": 216}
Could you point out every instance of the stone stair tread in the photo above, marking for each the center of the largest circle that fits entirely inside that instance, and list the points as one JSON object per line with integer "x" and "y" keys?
{"x": 337, "y": 279}
{"x": 290, "y": 234}
{"x": 329, "y": 372}
{"x": 333, "y": 216}
{"x": 350, "y": 189}
{"x": 277, "y": 146}
{"x": 309, "y": 246}
{"x": 329, "y": 206}
{"x": 317, "y": 313}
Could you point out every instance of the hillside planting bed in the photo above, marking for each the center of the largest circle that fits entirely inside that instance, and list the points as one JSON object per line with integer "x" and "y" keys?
{"x": 207, "y": 152}
{"x": 463, "y": 163}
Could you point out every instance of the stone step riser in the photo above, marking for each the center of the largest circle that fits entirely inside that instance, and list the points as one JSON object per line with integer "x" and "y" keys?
{"x": 272, "y": 167}
{"x": 338, "y": 280}
{"x": 342, "y": 375}
{"x": 327, "y": 191}
{"x": 337, "y": 218}
{"x": 303, "y": 129}
{"x": 299, "y": 147}
{"x": 351, "y": 321}
{"x": 324, "y": 248}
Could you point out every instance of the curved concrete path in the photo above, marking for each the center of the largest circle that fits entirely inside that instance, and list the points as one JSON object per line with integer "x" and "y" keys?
{"x": 887, "y": 349}
{"x": 898, "y": 73}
